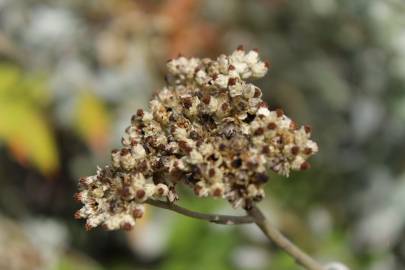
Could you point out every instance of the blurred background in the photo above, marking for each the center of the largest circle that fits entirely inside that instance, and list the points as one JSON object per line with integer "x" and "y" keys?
{"x": 73, "y": 72}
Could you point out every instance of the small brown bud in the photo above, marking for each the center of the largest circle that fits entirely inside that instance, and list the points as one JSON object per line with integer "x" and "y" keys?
{"x": 184, "y": 146}
{"x": 140, "y": 113}
{"x": 307, "y": 151}
{"x": 259, "y": 131}
{"x": 305, "y": 166}
{"x": 272, "y": 125}
{"x": 134, "y": 142}
{"x": 217, "y": 192}
{"x": 295, "y": 150}
{"x": 187, "y": 102}
{"x": 78, "y": 197}
{"x": 251, "y": 165}
{"x": 236, "y": 163}
{"x": 140, "y": 194}
{"x": 224, "y": 106}
{"x": 197, "y": 190}
{"x": 279, "y": 112}
{"x": 124, "y": 152}
{"x": 206, "y": 99}
{"x": 127, "y": 226}
{"x": 137, "y": 213}
{"x": 125, "y": 192}
{"x": 263, "y": 104}
{"x": 88, "y": 227}
{"x": 240, "y": 48}
{"x": 266, "y": 150}
{"x": 231, "y": 81}
{"x": 307, "y": 129}
{"x": 258, "y": 93}
{"x": 267, "y": 64}
{"x": 142, "y": 166}
{"x": 160, "y": 191}
{"x": 261, "y": 177}
{"x": 211, "y": 172}
{"x": 83, "y": 182}
{"x": 77, "y": 215}
{"x": 231, "y": 67}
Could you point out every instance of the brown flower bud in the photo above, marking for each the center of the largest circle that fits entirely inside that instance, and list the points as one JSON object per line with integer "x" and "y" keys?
{"x": 231, "y": 81}
{"x": 211, "y": 172}
{"x": 261, "y": 178}
{"x": 295, "y": 150}
{"x": 206, "y": 99}
{"x": 127, "y": 226}
{"x": 259, "y": 131}
{"x": 88, "y": 227}
{"x": 78, "y": 197}
{"x": 137, "y": 213}
{"x": 279, "y": 112}
{"x": 218, "y": 192}
{"x": 307, "y": 129}
{"x": 77, "y": 215}
{"x": 258, "y": 93}
{"x": 305, "y": 166}
{"x": 271, "y": 126}
{"x": 236, "y": 163}
{"x": 140, "y": 194}
{"x": 140, "y": 113}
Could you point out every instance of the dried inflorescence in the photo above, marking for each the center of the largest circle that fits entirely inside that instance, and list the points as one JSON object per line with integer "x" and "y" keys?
{"x": 209, "y": 129}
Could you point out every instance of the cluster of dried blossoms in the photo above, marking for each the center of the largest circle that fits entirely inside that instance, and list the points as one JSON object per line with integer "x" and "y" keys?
{"x": 209, "y": 129}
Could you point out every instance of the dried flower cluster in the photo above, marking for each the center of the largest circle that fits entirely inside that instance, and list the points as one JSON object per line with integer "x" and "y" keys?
{"x": 208, "y": 128}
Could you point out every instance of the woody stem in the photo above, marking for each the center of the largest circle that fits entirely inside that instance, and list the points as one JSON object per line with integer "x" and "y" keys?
{"x": 254, "y": 216}
{"x": 214, "y": 218}
{"x": 274, "y": 235}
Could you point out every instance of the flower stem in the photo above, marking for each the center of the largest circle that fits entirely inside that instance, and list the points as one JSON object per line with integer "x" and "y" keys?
{"x": 256, "y": 216}
{"x": 214, "y": 218}
{"x": 282, "y": 242}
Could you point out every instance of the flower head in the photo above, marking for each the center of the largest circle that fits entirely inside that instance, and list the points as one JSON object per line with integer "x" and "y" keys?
{"x": 209, "y": 129}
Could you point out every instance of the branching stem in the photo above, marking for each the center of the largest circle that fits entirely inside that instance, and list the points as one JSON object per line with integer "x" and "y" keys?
{"x": 254, "y": 216}
{"x": 214, "y": 218}
{"x": 283, "y": 242}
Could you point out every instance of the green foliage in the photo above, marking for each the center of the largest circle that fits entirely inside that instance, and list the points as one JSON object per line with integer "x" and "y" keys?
{"x": 68, "y": 262}
{"x": 23, "y": 125}
{"x": 91, "y": 119}
{"x": 197, "y": 245}
{"x": 281, "y": 260}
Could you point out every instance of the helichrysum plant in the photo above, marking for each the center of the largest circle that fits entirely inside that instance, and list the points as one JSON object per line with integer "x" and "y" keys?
{"x": 208, "y": 129}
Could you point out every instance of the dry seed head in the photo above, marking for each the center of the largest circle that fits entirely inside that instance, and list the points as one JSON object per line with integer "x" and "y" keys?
{"x": 208, "y": 128}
